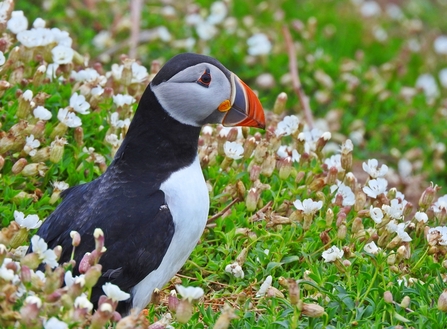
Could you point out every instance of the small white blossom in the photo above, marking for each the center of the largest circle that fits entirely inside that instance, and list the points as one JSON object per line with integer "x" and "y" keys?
{"x": 308, "y": 206}
{"x": 235, "y": 269}
{"x": 440, "y": 204}
{"x": 218, "y": 12}
{"x": 139, "y": 73}
{"x": 287, "y": 126}
{"x": 42, "y": 113}
{"x": 62, "y": 54}
{"x": 121, "y": 100}
{"x": 39, "y": 22}
{"x": 163, "y": 34}
{"x": 97, "y": 91}
{"x": 83, "y": 302}
{"x": 440, "y": 45}
{"x": 18, "y": 22}
{"x": 103, "y": 40}
{"x": 69, "y": 118}
{"x": 371, "y": 168}
{"x": 54, "y": 323}
{"x": 79, "y": 104}
{"x": 395, "y": 209}
{"x": 265, "y": 286}
{"x": 371, "y": 248}
{"x": 114, "y": 292}
{"x": 62, "y": 38}
{"x": 345, "y": 192}
{"x": 87, "y": 75}
{"x": 370, "y": 9}
{"x": 46, "y": 255}
{"x": 5, "y": 7}
{"x": 189, "y": 293}
{"x": 394, "y": 11}
{"x": 33, "y": 300}
{"x": 51, "y": 71}
{"x": 233, "y": 150}
{"x": 376, "y": 214}
{"x": 428, "y": 84}
{"x": 334, "y": 161}
{"x": 259, "y": 44}
{"x": 405, "y": 237}
{"x": 115, "y": 122}
{"x": 29, "y": 222}
{"x": 205, "y": 30}
{"x": 442, "y": 231}
{"x": 28, "y": 95}
{"x": 2, "y": 58}
{"x": 332, "y": 254}
{"x": 375, "y": 187}
{"x": 61, "y": 186}
{"x": 70, "y": 279}
{"x": 421, "y": 216}
{"x": 287, "y": 152}
{"x": 31, "y": 145}
{"x": 404, "y": 167}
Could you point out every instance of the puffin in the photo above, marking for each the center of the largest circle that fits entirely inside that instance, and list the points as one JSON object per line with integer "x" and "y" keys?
{"x": 152, "y": 202}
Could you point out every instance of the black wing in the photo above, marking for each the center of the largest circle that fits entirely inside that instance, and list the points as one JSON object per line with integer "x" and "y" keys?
{"x": 137, "y": 225}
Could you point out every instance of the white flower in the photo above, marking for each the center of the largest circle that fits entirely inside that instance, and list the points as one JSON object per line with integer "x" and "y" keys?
{"x": 163, "y": 34}
{"x": 334, "y": 161}
{"x": 428, "y": 84}
{"x": 2, "y": 58}
{"x": 394, "y": 11}
{"x": 115, "y": 122}
{"x": 33, "y": 300}
{"x": 70, "y": 280}
{"x": 371, "y": 248}
{"x": 54, "y": 323}
{"x": 375, "y": 187}
{"x": 442, "y": 231}
{"x": 218, "y": 12}
{"x": 287, "y": 152}
{"x": 224, "y": 131}
{"x": 6, "y": 273}
{"x": 233, "y": 150}
{"x": 395, "y": 209}
{"x": 29, "y": 222}
{"x": 259, "y": 44}
{"x": 121, "y": 100}
{"x": 39, "y": 22}
{"x": 371, "y": 168}
{"x": 206, "y": 30}
{"x": 442, "y": 77}
{"x": 190, "y": 293}
{"x": 404, "y": 167}
{"x": 61, "y": 186}
{"x": 62, "y": 54}
{"x": 97, "y": 91}
{"x": 42, "y": 113}
{"x": 5, "y": 7}
{"x": 287, "y": 126}
{"x": 46, "y": 255}
{"x": 421, "y": 216}
{"x": 102, "y": 40}
{"x": 332, "y": 254}
{"x": 441, "y": 204}
{"x": 69, "y": 118}
{"x": 139, "y": 73}
{"x": 87, "y": 75}
{"x": 265, "y": 286}
{"x": 308, "y": 206}
{"x": 376, "y": 214}
{"x": 78, "y": 103}
{"x": 401, "y": 232}
{"x": 440, "y": 45}
{"x": 51, "y": 70}
{"x": 370, "y": 8}
{"x": 235, "y": 269}
{"x": 35, "y": 37}
{"x": 18, "y": 22}
{"x": 114, "y": 292}
{"x": 62, "y": 38}
{"x": 31, "y": 145}
{"x": 28, "y": 95}
{"x": 345, "y": 192}
{"x": 310, "y": 139}
{"x": 83, "y": 302}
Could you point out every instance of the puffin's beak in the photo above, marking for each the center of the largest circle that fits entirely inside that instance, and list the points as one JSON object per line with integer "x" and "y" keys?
{"x": 244, "y": 107}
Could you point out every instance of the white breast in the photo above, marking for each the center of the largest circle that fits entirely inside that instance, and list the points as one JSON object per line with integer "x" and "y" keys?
{"x": 188, "y": 200}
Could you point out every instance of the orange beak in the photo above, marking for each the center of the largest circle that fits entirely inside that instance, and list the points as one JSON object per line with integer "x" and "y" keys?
{"x": 246, "y": 109}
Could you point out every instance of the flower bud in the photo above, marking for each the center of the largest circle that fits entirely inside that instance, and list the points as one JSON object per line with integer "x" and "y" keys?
{"x": 268, "y": 166}
{"x": 280, "y": 103}
{"x": 294, "y": 291}
{"x": 442, "y": 301}
{"x": 342, "y": 231}
{"x": 324, "y": 237}
{"x": 39, "y": 75}
{"x": 18, "y": 166}
{"x": 360, "y": 201}
{"x": 34, "y": 169}
{"x": 249, "y": 147}
{"x": 405, "y": 302}
{"x": 59, "y": 130}
{"x": 285, "y": 168}
{"x": 79, "y": 136}
{"x": 388, "y": 297}
{"x": 255, "y": 171}
{"x": 312, "y": 310}
{"x": 31, "y": 260}
{"x": 428, "y": 196}
{"x": 92, "y": 275}
{"x": 391, "y": 193}
{"x": 357, "y": 225}
{"x": 346, "y": 155}
{"x": 42, "y": 154}
{"x": 57, "y": 149}
{"x": 19, "y": 238}
{"x": 331, "y": 177}
{"x": 184, "y": 311}
{"x": 126, "y": 75}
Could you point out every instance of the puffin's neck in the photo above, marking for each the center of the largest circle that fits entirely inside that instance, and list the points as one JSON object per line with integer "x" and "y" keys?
{"x": 156, "y": 142}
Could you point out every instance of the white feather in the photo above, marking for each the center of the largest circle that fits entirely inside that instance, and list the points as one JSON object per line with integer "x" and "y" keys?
{"x": 188, "y": 200}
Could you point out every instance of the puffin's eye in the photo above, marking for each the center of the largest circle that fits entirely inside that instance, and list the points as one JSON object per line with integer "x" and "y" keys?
{"x": 205, "y": 79}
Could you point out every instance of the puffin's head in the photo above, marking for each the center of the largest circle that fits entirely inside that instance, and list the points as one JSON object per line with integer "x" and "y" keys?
{"x": 196, "y": 89}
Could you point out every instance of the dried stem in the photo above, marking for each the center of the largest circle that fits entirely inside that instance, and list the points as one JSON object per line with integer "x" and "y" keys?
{"x": 135, "y": 17}
{"x": 296, "y": 82}
{"x": 223, "y": 211}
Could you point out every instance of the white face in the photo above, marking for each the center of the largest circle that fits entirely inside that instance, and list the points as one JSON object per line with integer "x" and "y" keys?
{"x": 190, "y": 101}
